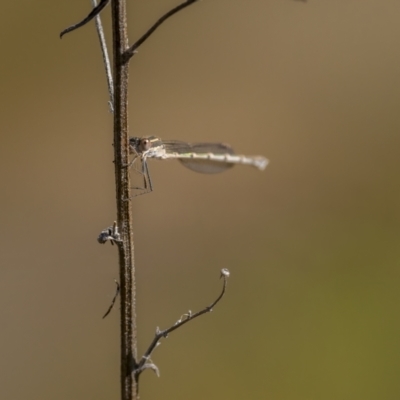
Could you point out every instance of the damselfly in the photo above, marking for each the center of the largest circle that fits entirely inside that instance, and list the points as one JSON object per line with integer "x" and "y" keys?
{"x": 209, "y": 158}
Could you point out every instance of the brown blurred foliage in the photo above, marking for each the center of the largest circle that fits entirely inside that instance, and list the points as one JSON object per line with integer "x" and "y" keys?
{"x": 312, "y": 307}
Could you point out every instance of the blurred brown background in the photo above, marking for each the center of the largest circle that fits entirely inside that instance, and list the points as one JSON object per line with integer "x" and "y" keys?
{"x": 312, "y": 243}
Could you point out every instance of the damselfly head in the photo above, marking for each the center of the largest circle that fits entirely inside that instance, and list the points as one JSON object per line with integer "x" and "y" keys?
{"x": 144, "y": 144}
{"x": 141, "y": 145}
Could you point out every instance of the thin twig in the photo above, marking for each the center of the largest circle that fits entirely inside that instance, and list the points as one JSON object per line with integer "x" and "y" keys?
{"x": 90, "y": 16}
{"x": 143, "y": 364}
{"x": 106, "y": 58}
{"x": 132, "y": 50}
{"x": 113, "y": 300}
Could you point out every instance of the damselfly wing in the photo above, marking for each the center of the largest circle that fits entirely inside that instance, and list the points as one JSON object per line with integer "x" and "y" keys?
{"x": 188, "y": 154}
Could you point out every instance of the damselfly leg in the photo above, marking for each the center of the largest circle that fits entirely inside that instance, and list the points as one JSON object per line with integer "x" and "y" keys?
{"x": 147, "y": 184}
{"x": 147, "y": 175}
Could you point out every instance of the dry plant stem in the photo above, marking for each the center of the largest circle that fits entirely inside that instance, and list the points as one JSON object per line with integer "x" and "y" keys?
{"x": 124, "y": 212}
{"x": 106, "y": 58}
{"x": 142, "y": 365}
{"x": 170, "y": 13}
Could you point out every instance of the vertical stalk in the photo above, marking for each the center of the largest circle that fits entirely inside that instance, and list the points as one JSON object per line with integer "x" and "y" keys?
{"x": 124, "y": 212}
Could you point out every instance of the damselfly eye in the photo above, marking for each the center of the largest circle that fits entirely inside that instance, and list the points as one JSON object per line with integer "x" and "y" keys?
{"x": 144, "y": 144}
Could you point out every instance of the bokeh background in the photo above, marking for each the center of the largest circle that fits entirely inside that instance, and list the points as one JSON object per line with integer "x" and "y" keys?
{"x": 312, "y": 310}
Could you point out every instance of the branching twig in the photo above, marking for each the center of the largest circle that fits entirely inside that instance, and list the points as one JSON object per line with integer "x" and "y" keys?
{"x": 106, "y": 58}
{"x": 132, "y": 50}
{"x": 113, "y": 300}
{"x": 91, "y": 15}
{"x": 143, "y": 363}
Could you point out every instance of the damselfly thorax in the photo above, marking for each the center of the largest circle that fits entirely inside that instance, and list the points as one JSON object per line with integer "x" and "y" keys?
{"x": 209, "y": 158}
